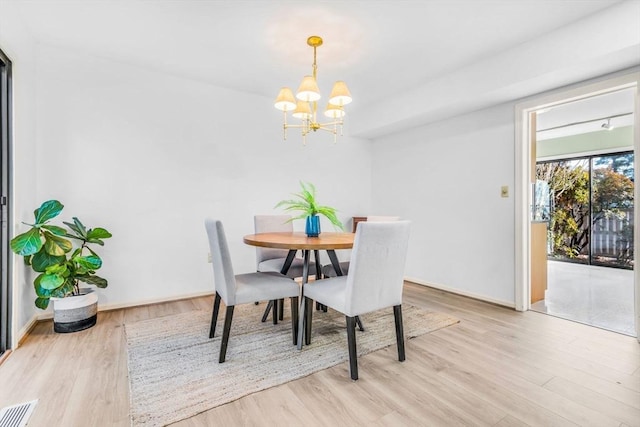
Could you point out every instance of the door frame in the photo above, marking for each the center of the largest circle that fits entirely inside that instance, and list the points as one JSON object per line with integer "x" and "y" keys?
{"x": 523, "y": 187}
{"x": 6, "y": 296}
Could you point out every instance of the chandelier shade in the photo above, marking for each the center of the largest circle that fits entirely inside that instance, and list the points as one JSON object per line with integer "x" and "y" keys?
{"x": 302, "y": 111}
{"x": 340, "y": 94}
{"x": 304, "y": 105}
{"x": 334, "y": 111}
{"x": 308, "y": 90}
{"x": 285, "y": 100}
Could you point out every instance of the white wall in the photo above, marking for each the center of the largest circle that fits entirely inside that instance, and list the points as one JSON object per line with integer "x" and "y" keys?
{"x": 148, "y": 156}
{"x": 17, "y": 44}
{"x": 446, "y": 177}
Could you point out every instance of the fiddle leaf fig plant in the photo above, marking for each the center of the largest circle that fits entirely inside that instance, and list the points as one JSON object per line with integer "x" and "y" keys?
{"x": 305, "y": 202}
{"x": 47, "y": 250}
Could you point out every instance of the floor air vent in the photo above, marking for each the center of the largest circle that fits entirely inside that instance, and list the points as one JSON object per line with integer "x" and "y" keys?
{"x": 17, "y": 415}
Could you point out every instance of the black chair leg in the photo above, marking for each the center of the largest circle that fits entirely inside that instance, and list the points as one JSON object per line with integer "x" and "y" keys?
{"x": 294, "y": 319}
{"x": 225, "y": 333}
{"x": 267, "y": 310}
{"x": 281, "y": 309}
{"x": 351, "y": 341}
{"x": 214, "y": 316}
{"x": 397, "y": 314}
{"x": 275, "y": 311}
{"x": 318, "y": 265}
{"x": 359, "y": 323}
{"x": 308, "y": 312}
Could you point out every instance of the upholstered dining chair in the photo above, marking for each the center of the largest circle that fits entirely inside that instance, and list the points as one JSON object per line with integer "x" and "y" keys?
{"x": 272, "y": 260}
{"x": 242, "y": 288}
{"x": 374, "y": 282}
{"x": 329, "y": 271}
{"x": 269, "y": 259}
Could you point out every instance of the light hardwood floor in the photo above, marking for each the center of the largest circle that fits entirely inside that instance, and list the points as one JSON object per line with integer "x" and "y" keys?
{"x": 496, "y": 367}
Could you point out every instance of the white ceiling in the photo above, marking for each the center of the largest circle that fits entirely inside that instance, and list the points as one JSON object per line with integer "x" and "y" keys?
{"x": 587, "y": 115}
{"x": 384, "y": 50}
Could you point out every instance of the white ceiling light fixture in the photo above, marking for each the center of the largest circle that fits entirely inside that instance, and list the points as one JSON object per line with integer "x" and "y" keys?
{"x": 305, "y": 104}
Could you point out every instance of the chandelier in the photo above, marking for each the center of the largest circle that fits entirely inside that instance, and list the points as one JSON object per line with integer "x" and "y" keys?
{"x": 305, "y": 104}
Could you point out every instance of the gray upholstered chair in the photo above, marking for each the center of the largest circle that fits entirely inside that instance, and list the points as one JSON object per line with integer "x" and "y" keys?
{"x": 269, "y": 259}
{"x": 329, "y": 271}
{"x": 243, "y": 288}
{"x": 272, "y": 260}
{"x": 374, "y": 282}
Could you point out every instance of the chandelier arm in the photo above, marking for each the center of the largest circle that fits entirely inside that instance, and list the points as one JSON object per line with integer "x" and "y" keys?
{"x": 327, "y": 129}
{"x": 294, "y": 126}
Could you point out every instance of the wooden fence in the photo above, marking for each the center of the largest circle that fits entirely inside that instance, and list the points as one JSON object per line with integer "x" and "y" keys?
{"x": 613, "y": 236}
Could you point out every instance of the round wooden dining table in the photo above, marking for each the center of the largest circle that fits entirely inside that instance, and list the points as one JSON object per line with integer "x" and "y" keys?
{"x": 297, "y": 241}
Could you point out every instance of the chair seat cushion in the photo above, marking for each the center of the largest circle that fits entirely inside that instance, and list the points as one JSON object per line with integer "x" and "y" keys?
{"x": 253, "y": 287}
{"x": 275, "y": 265}
{"x": 328, "y": 270}
{"x": 330, "y": 292}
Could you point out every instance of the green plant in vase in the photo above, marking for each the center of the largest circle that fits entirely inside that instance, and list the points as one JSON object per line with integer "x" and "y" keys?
{"x": 305, "y": 203}
{"x": 47, "y": 250}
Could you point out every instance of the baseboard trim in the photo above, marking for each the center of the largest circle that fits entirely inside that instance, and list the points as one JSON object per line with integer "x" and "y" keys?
{"x": 27, "y": 328}
{"x": 118, "y": 306}
{"x": 108, "y": 307}
{"x": 460, "y": 292}
{"x": 5, "y": 356}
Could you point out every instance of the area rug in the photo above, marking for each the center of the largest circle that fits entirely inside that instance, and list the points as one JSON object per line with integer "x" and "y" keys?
{"x": 173, "y": 365}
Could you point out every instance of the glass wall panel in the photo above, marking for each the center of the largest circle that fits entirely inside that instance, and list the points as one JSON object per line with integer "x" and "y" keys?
{"x": 591, "y": 208}
{"x": 612, "y": 207}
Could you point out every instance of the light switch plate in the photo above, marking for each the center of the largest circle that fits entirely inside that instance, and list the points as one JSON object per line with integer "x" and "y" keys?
{"x": 504, "y": 191}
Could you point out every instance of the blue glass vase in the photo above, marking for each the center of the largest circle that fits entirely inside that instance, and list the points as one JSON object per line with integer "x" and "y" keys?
{"x": 313, "y": 226}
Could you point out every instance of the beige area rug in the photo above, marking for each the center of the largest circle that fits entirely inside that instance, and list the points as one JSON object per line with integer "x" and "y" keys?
{"x": 173, "y": 365}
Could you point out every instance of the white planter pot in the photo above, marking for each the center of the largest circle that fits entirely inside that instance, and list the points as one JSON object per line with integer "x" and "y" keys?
{"x": 75, "y": 313}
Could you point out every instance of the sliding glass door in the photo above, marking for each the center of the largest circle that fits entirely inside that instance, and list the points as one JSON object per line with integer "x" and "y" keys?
{"x": 612, "y": 208}
{"x": 591, "y": 209}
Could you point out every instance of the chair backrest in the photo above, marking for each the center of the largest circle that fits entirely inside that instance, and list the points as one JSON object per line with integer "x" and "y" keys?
{"x": 224, "y": 278}
{"x": 271, "y": 224}
{"x": 376, "y": 272}
{"x": 378, "y": 218}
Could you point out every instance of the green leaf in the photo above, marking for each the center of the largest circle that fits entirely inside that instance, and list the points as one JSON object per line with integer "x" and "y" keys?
{"x": 94, "y": 280}
{"x": 51, "y": 281}
{"x": 40, "y": 291}
{"x": 90, "y": 262}
{"x": 27, "y": 243}
{"x": 48, "y": 210}
{"x": 98, "y": 233}
{"x": 42, "y": 260}
{"x": 56, "y": 245}
{"x": 57, "y": 269}
{"x": 58, "y": 231}
{"x": 42, "y": 303}
{"x": 65, "y": 290}
{"x": 78, "y": 228}
{"x": 60, "y": 292}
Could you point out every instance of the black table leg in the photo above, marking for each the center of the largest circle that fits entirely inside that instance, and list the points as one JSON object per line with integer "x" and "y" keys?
{"x": 284, "y": 270}
{"x": 301, "y": 312}
{"x": 318, "y": 276}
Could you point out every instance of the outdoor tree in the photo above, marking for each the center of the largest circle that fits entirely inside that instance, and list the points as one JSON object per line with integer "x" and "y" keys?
{"x": 613, "y": 198}
{"x": 574, "y": 216}
{"x": 569, "y": 222}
